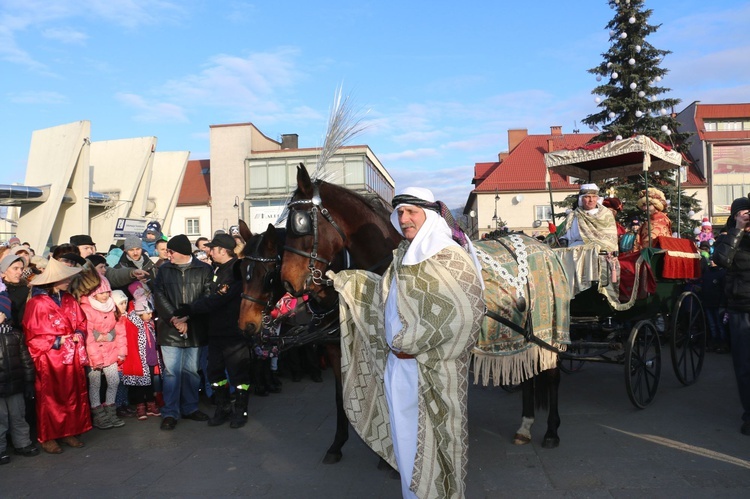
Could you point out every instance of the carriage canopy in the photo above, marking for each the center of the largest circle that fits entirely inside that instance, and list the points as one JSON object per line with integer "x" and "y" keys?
{"x": 619, "y": 158}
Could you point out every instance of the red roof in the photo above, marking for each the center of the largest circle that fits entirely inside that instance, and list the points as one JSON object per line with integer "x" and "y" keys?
{"x": 196, "y": 186}
{"x": 524, "y": 168}
{"x": 721, "y": 112}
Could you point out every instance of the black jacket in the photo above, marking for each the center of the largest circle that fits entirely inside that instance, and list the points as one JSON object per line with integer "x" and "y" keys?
{"x": 223, "y": 304}
{"x": 16, "y": 367}
{"x": 146, "y": 264}
{"x": 18, "y": 293}
{"x": 732, "y": 251}
{"x": 174, "y": 287}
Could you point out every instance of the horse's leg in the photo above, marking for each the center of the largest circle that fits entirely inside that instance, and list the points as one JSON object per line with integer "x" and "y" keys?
{"x": 333, "y": 454}
{"x": 523, "y": 434}
{"x": 551, "y": 439}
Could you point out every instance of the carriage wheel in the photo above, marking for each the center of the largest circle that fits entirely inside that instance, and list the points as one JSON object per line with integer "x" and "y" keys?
{"x": 642, "y": 364}
{"x": 570, "y": 366}
{"x": 688, "y": 343}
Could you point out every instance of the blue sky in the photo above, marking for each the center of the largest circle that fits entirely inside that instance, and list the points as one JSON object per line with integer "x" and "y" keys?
{"x": 442, "y": 82}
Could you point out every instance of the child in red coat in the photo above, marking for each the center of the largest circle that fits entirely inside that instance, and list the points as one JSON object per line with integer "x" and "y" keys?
{"x": 140, "y": 365}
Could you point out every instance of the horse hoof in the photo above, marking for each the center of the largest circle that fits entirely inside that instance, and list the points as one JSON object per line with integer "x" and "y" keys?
{"x": 551, "y": 442}
{"x": 332, "y": 458}
{"x": 519, "y": 439}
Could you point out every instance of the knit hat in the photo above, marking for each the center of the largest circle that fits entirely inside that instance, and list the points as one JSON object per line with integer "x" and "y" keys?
{"x": 738, "y": 205}
{"x": 180, "y": 244}
{"x": 9, "y": 260}
{"x": 39, "y": 261}
{"x": 154, "y": 228}
{"x": 132, "y": 242}
{"x": 96, "y": 259}
{"x": 104, "y": 287}
{"x": 142, "y": 305}
{"x": 655, "y": 198}
{"x": 705, "y": 222}
{"x": 119, "y": 296}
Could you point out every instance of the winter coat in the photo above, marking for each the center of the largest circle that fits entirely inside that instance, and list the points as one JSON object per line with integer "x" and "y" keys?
{"x": 16, "y": 368}
{"x": 223, "y": 303}
{"x": 104, "y": 341}
{"x": 732, "y": 251}
{"x": 18, "y": 294}
{"x": 141, "y": 346}
{"x": 175, "y": 286}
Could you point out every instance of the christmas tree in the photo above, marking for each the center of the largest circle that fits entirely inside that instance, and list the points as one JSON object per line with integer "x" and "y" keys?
{"x": 631, "y": 102}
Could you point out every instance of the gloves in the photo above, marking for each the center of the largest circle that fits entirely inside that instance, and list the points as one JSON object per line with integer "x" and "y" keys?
{"x": 28, "y": 391}
{"x": 182, "y": 311}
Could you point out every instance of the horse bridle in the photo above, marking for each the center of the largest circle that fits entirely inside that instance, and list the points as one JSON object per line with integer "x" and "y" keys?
{"x": 268, "y": 279}
{"x": 305, "y": 223}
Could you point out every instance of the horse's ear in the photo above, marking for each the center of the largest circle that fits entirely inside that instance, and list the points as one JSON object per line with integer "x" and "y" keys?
{"x": 245, "y": 231}
{"x": 269, "y": 238}
{"x": 304, "y": 184}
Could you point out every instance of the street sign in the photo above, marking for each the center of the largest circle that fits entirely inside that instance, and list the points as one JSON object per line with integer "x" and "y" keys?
{"x": 129, "y": 227}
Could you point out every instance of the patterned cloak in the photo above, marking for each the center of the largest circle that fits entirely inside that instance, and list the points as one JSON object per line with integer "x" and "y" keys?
{"x": 441, "y": 309}
{"x": 598, "y": 228}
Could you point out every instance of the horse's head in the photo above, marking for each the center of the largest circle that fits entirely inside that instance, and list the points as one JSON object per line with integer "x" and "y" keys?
{"x": 259, "y": 269}
{"x": 314, "y": 243}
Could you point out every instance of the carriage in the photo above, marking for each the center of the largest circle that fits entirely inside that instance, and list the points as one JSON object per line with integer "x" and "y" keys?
{"x": 610, "y": 325}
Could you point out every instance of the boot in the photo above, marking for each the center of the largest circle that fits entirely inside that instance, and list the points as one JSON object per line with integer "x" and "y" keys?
{"x": 275, "y": 382}
{"x": 152, "y": 409}
{"x": 111, "y": 413}
{"x": 223, "y": 406}
{"x": 239, "y": 412}
{"x": 100, "y": 419}
{"x": 140, "y": 411}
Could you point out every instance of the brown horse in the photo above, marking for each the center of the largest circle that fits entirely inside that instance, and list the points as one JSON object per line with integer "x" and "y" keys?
{"x": 325, "y": 220}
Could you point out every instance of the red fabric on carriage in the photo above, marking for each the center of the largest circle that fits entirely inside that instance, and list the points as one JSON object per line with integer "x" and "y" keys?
{"x": 647, "y": 283}
{"x": 682, "y": 260}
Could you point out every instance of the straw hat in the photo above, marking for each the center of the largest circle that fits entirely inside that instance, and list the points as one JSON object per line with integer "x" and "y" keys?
{"x": 55, "y": 272}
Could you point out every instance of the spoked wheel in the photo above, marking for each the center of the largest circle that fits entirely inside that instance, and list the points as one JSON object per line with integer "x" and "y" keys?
{"x": 570, "y": 366}
{"x": 688, "y": 342}
{"x": 642, "y": 364}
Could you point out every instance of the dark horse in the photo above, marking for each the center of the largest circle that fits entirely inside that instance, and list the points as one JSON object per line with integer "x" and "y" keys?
{"x": 326, "y": 221}
{"x": 262, "y": 288}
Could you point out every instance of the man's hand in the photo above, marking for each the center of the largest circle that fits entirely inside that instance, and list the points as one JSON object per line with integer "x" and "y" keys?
{"x": 139, "y": 274}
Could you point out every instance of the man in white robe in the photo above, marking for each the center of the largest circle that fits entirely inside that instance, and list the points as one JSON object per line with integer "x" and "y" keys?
{"x": 590, "y": 223}
{"x": 429, "y": 304}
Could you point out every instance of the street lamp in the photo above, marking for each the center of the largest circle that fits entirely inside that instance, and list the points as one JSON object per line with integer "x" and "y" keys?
{"x": 472, "y": 214}
{"x": 495, "y": 218}
{"x": 237, "y": 207}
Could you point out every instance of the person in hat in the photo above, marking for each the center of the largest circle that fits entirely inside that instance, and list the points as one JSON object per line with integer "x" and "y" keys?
{"x": 107, "y": 348}
{"x": 654, "y": 205}
{"x": 180, "y": 281}
{"x": 16, "y": 373}
{"x": 135, "y": 258}
{"x": 118, "y": 277}
{"x": 705, "y": 233}
{"x": 12, "y": 270}
{"x": 429, "y": 266}
{"x": 55, "y": 329}
{"x": 228, "y": 350}
{"x": 590, "y": 223}
{"x": 150, "y": 236}
{"x": 139, "y": 368}
{"x": 732, "y": 252}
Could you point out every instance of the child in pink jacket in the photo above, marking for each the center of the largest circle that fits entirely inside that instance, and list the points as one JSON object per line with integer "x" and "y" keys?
{"x": 106, "y": 345}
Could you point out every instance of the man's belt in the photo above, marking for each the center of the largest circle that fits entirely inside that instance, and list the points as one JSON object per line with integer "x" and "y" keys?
{"x": 402, "y": 355}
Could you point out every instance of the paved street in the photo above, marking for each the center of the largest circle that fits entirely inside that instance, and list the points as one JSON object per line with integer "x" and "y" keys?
{"x": 686, "y": 444}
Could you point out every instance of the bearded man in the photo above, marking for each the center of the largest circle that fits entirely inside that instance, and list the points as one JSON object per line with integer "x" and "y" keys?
{"x": 412, "y": 331}
{"x": 590, "y": 222}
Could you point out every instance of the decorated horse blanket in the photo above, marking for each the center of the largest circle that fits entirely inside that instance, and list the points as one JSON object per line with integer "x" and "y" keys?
{"x": 524, "y": 281}
{"x": 440, "y": 307}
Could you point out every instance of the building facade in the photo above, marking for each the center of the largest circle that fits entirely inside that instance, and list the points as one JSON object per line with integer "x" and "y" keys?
{"x": 721, "y": 149}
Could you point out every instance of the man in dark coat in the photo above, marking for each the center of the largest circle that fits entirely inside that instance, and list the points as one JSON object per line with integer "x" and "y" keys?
{"x": 180, "y": 281}
{"x": 228, "y": 350}
{"x": 732, "y": 251}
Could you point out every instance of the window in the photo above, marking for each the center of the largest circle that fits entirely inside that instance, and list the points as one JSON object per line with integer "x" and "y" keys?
{"x": 192, "y": 226}
{"x": 543, "y": 212}
{"x": 727, "y": 125}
